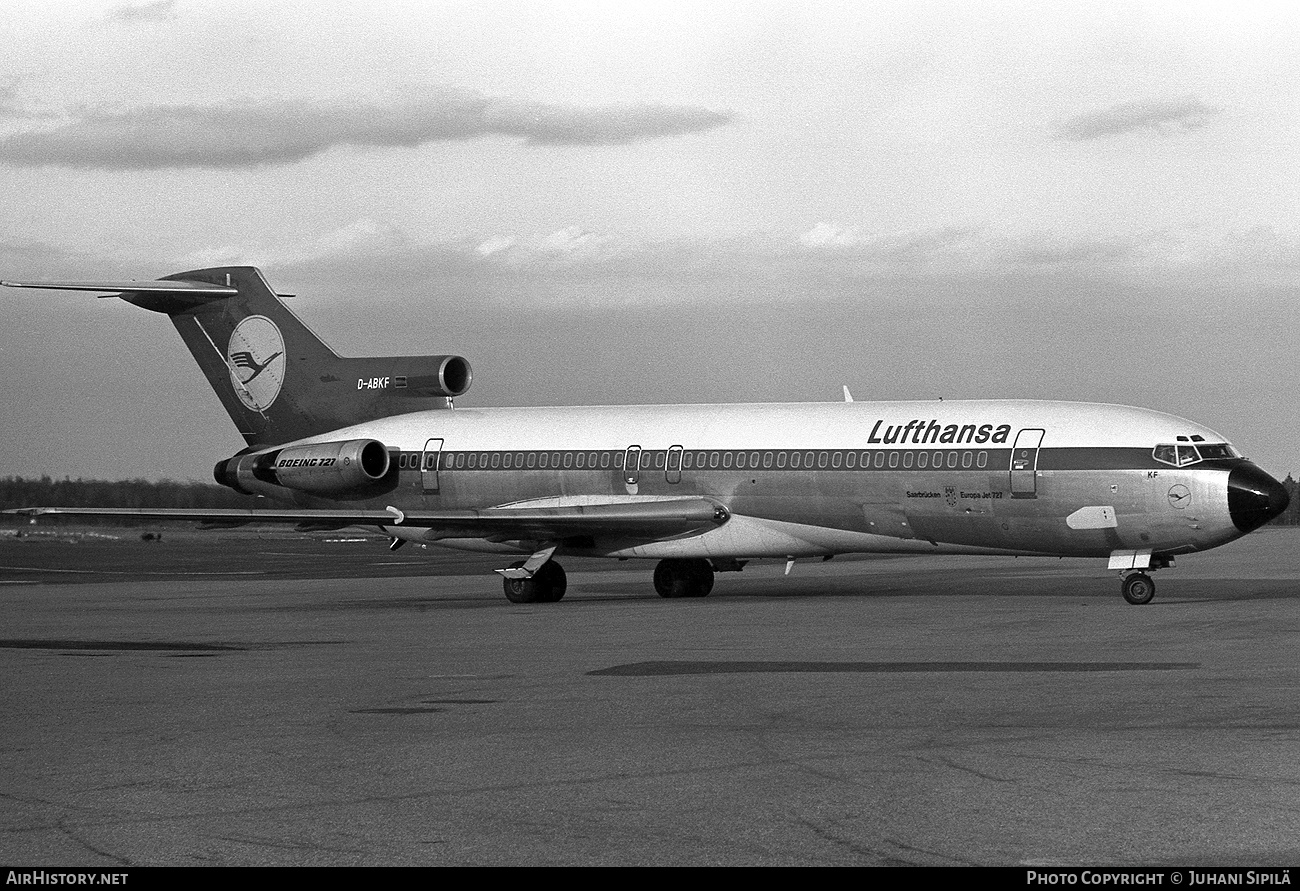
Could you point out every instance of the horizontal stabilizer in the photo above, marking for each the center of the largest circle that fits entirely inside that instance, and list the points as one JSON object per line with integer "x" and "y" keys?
{"x": 648, "y": 520}
{"x": 188, "y": 288}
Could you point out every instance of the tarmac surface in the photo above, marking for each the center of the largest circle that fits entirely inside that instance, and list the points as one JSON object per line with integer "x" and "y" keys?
{"x": 267, "y": 698}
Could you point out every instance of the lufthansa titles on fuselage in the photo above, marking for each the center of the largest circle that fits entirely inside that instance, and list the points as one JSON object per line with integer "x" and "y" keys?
{"x": 921, "y": 432}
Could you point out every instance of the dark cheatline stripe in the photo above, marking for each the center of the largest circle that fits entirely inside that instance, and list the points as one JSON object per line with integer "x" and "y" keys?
{"x": 896, "y": 459}
{"x": 661, "y": 669}
{"x": 164, "y": 645}
{"x": 1085, "y": 458}
{"x": 936, "y": 456}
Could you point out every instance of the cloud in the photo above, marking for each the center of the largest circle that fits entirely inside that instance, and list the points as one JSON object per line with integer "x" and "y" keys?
{"x": 30, "y": 260}
{"x": 26, "y": 259}
{"x": 574, "y": 265}
{"x": 913, "y": 249}
{"x": 901, "y": 272}
{"x": 12, "y": 107}
{"x": 9, "y": 104}
{"x": 1265, "y": 246}
{"x": 157, "y": 11}
{"x": 567, "y": 246}
{"x": 378, "y": 245}
{"x": 365, "y": 239}
{"x": 825, "y": 235}
{"x": 494, "y": 244}
{"x": 1082, "y": 252}
{"x": 233, "y": 135}
{"x": 603, "y": 125}
{"x": 1156, "y": 115}
{"x": 577, "y": 265}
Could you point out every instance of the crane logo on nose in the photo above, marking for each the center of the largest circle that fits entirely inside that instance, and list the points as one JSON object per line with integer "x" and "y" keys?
{"x": 1180, "y": 496}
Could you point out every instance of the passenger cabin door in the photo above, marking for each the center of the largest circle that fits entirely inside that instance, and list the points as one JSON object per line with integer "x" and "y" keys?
{"x": 632, "y": 469}
{"x": 1024, "y": 463}
{"x": 674, "y": 472}
{"x": 429, "y": 462}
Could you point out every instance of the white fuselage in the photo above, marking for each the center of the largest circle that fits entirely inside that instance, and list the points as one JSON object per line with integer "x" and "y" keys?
{"x": 1023, "y": 477}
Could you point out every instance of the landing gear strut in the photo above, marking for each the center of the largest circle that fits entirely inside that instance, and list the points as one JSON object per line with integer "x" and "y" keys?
{"x": 546, "y": 586}
{"x": 1136, "y": 585}
{"x": 1138, "y": 588}
{"x": 683, "y": 578}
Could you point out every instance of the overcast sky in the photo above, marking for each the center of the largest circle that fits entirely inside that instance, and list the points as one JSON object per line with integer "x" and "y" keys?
{"x": 667, "y": 202}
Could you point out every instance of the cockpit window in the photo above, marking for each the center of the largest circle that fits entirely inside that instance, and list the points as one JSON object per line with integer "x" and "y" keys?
{"x": 1183, "y": 455}
{"x": 1217, "y": 450}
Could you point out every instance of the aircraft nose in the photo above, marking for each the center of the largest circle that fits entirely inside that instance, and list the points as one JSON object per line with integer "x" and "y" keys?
{"x": 1254, "y": 497}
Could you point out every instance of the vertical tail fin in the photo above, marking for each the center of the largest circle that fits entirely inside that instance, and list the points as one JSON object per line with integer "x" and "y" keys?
{"x": 275, "y": 377}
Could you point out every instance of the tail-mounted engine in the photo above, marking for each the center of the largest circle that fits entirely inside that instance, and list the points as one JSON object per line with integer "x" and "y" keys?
{"x": 334, "y": 469}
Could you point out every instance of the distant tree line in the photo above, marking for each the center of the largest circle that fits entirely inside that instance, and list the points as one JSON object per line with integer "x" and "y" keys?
{"x": 16, "y": 491}
{"x": 1291, "y": 516}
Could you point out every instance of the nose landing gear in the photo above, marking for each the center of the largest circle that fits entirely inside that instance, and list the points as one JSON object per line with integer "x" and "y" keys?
{"x": 1138, "y": 588}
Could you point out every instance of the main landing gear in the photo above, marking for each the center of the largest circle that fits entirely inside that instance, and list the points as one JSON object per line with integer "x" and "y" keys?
{"x": 546, "y": 586}
{"x": 673, "y": 578}
{"x": 683, "y": 578}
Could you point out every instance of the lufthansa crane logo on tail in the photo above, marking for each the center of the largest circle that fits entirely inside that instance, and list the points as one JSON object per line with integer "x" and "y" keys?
{"x": 255, "y": 357}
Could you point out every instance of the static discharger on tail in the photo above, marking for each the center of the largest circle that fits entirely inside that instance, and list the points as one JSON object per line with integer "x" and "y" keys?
{"x": 699, "y": 488}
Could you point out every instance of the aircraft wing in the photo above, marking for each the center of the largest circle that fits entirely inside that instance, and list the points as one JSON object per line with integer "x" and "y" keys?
{"x": 651, "y": 520}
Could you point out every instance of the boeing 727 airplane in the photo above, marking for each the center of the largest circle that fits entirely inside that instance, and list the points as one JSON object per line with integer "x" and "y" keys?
{"x": 700, "y": 488}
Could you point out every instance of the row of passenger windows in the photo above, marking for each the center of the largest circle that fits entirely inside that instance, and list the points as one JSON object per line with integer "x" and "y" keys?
{"x": 658, "y": 459}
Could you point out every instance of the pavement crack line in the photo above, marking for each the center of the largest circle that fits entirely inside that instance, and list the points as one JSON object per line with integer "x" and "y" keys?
{"x": 76, "y": 837}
